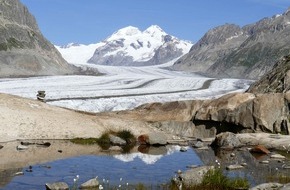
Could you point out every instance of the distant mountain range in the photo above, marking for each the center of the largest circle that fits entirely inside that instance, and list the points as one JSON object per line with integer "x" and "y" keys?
{"x": 224, "y": 51}
{"x": 129, "y": 46}
{"x": 23, "y": 49}
{"x": 247, "y": 52}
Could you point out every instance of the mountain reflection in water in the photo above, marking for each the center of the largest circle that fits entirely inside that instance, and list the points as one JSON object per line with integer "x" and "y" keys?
{"x": 149, "y": 169}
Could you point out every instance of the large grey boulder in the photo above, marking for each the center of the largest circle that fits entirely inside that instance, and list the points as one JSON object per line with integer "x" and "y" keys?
{"x": 269, "y": 112}
{"x": 116, "y": 140}
{"x": 260, "y": 112}
{"x": 90, "y": 184}
{"x": 227, "y": 140}
{"x": 235, "y": 108}
{"x": 195, "y": 176}
{"x": 154, "y": 138}
{"x": 183, "y": 129}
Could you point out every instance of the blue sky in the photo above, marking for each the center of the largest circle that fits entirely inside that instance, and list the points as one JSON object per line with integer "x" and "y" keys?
{"x": 90, "y": 21}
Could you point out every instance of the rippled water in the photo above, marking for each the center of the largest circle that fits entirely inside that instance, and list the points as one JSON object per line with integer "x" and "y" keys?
{"x": 151, "y": 170}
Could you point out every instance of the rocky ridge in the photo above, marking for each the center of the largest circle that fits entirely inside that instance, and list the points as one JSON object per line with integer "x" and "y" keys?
{"x": 23, "y": 49}
{"x": 250, "y": 52}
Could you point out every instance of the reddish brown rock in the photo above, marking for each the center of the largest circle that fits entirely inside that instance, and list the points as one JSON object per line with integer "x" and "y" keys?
{"x": 260, "y": 149}
{"x": 143, "y": 139}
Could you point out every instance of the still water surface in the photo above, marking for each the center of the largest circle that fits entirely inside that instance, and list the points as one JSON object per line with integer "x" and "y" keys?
{"x": 133, "y": 168}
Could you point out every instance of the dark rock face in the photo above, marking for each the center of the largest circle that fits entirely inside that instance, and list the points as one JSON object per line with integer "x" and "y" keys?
{"x": 23, "y": 49}
{"x": 227, "y": 141}
{"x": 255, "y": 49}
{"x": 277, "y": 80}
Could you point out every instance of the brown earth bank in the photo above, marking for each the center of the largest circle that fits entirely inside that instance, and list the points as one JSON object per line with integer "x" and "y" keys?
{"x": 23, "y": 118}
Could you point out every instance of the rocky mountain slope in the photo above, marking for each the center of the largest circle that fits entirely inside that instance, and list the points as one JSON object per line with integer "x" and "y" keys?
{"x": 216, "y": 43}
{"x": 247, "y": 52}
{"x": 276, "y": 80}
{"x": 129, "y": 46}
{"x": 23, "y": 49}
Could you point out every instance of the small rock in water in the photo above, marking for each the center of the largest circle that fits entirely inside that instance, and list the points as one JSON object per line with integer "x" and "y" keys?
{"x": 18, "y": 173}
{"x": 183, "y": 149}
{"x": 60, "y": 151}
{"x": 232, "y": 155}
{"x": 234, "y": 167}
{"x": 57, "y": 186}
{"x": 21, "y": 147}
{"x": 198, "y": 144}
{"x": 265, "y": 162}
{"x": 92, "y": 183}
{"x": 286, "y": 167}
{"x": 46, "y": 166}
{"x": 277, "y": 156}
{"x": 29, "y": 169}
{"x": 244, "y": 164}
{"x": 192, "y": 166}
{"x": 1, "y": 146}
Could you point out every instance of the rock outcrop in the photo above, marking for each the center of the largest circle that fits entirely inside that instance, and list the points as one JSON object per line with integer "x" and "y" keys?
{"x": 275, "y": 81}
{"x": 247, "y": 52}
{"x": 23, "y": 49}
{"x": 236, "y": 112}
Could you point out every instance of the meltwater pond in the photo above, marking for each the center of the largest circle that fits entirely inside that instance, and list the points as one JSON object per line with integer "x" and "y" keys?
{"x": 156, "y": 167}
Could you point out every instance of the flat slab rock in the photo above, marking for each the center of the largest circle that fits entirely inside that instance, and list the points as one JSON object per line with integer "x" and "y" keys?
{"x": 234, "y": 167}
{"x": 268, "y": 186}
{"x": 57, "y": 186}
{"x": 275, "y": 141}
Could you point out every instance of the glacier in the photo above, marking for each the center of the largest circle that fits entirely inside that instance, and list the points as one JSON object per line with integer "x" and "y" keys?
{"x": 122, "y": 88}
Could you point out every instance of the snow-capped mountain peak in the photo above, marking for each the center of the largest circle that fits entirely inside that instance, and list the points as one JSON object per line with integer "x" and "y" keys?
{"x": 154, "y": 29}
{"x": 124, "y": 32}
{"x": 130, "y": 46}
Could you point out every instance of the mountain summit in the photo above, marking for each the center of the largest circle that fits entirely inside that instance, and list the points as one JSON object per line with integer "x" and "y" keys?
{"x": 129, "y": 46}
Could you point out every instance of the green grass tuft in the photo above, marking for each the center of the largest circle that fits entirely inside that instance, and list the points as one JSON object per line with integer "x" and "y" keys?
{"x": 216, "y": 180}
{"x": 104, "y": 140}
{"x": 127, "y": 136}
